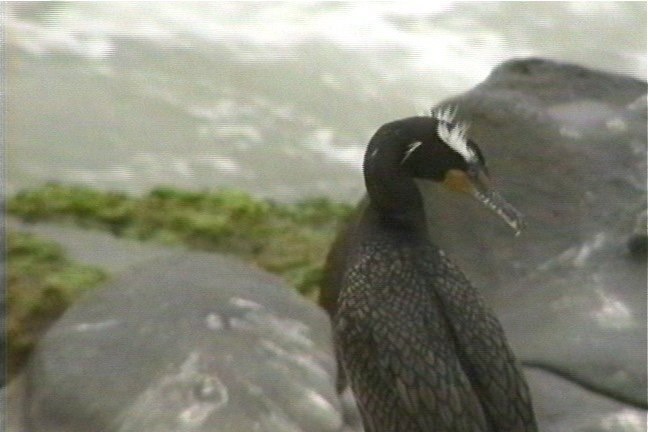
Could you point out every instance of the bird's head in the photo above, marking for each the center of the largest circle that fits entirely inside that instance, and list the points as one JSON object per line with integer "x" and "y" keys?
{"x": 437, "y": 149}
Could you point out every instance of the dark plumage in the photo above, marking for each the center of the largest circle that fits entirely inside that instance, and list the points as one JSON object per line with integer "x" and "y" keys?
{"x": 417, "y": 344}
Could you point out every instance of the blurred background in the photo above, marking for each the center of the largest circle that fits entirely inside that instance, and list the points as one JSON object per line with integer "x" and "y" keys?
{"x": 276, "y": 98}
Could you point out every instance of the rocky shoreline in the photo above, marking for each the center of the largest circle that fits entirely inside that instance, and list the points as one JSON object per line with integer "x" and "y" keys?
{"x": 185, "y": 340}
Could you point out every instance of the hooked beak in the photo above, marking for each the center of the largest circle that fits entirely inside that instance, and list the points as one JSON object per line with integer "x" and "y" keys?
{"x": 475, "y": 182}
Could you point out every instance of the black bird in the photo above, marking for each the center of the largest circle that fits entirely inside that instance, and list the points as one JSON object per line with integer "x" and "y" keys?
{"x": 420, "y": 349}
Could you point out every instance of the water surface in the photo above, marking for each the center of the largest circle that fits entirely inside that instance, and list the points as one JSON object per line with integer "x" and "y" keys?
{"x": 275, "y": 98}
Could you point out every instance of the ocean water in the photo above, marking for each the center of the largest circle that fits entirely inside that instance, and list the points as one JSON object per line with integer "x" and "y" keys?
{"x": 276, "y": 98}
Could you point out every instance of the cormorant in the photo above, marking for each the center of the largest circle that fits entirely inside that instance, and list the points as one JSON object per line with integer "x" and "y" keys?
{"x": 420, "y": 349}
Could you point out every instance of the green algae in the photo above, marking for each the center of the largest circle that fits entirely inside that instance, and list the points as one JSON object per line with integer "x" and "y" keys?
{"x": 290, "y": 240}
{"x": 41, "y": 283}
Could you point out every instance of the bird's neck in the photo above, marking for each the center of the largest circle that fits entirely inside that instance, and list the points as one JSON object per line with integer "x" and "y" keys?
{"x": 394, "y": 199}
{"x": 397, "y": 208}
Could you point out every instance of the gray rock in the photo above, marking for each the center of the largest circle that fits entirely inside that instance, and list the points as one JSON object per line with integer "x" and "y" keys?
{"x": 567, "y": 146}
{"x": 188, "y": 342}
{"x": 563, "y": 407}
{"x": 13, "y": 405}
{"x": 95, "y": 248}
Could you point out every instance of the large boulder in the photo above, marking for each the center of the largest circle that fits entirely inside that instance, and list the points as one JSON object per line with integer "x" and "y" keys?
{"x": 183, "y": 341}
{"x": 567, "y": 146}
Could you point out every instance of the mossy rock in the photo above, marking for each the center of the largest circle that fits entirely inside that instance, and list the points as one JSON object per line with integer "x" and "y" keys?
{"x": 290, "y": 240}
{"x": 41, "y": 284}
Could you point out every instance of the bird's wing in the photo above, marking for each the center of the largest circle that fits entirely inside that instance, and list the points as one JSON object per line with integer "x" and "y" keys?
{"x": 418, "y": 361}
{"x": 484, "y": 354}
{"x": 422, "y": 352}
{"x": 398, "y": 351}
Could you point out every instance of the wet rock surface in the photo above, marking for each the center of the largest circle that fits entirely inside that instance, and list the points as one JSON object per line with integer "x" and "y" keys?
{"x": 561, "y": 406}
{"x": 187, "y": 341}
{"x": 567, "y": 146}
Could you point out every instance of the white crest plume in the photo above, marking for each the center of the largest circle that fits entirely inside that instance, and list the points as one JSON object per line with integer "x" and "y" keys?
{"x": 447, "y": 113}
{"x": 453, "y": 133}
